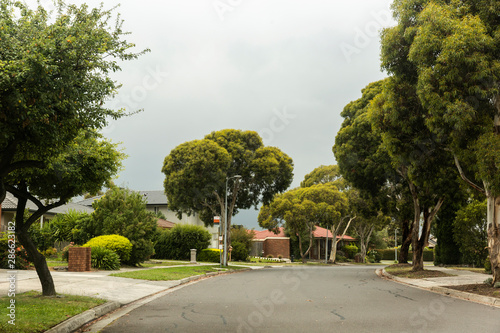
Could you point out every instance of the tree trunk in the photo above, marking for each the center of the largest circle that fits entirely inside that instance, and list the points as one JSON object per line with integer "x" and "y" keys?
{"x": 419, "y": 243}
{"x": 48, "y": 287}
{"x": 493, "y": 217}
{"x": 406, "y": 242}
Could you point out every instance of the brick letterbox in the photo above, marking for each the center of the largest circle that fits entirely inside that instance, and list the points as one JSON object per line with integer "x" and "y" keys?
{"x": 79, "y": 259}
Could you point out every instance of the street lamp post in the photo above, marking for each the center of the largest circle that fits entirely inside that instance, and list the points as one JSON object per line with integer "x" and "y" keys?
{"x": 225, "y": 221}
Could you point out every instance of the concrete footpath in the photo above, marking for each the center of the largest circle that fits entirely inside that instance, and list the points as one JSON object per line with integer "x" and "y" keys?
{"x": 117, "y": 291}
{"x": 439, "y": 284}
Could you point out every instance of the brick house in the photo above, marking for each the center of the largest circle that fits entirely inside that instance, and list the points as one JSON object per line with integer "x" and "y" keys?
{"x": 267, "y": 243}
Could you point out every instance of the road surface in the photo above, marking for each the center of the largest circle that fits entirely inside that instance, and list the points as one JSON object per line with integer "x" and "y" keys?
{"x": 306, "y": 299}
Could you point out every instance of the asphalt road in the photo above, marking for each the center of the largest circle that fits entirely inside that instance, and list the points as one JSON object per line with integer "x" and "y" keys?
{"x": 309, "y": 299}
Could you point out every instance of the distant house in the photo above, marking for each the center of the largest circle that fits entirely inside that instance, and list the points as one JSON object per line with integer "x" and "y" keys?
{"x": 9, "y": 206}
{"x": 156, "y": 201}
{"x": 267, "y": 243}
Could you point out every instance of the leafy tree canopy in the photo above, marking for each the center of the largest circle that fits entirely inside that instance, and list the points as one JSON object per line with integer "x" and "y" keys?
{"x": 196, "y": 173}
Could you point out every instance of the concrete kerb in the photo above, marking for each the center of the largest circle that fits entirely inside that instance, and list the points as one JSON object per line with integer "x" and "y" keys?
{"x": 88, "y": 317}
{"x": 492, "y": 301}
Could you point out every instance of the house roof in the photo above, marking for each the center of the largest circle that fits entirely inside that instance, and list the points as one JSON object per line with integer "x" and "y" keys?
{"x": 10, "y": 203}
{"x": 165, "y": 224}
{"x": 319, "y": 232}
{"x": 151, "y": 198}
{"x": 261, "y": 235}
{"x": 154, "y": 197}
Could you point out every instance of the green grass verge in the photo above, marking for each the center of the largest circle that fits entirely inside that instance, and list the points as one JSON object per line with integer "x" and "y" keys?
{"x": 35, "y": 313}
{"x": 171, "y": 273}
{"x": 154, "y": 263}
{"x": 405, "y": 271}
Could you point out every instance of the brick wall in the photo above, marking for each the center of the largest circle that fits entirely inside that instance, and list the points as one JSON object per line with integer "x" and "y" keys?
{"x": 79, "y": 259}
{"x": 276, "y": 247}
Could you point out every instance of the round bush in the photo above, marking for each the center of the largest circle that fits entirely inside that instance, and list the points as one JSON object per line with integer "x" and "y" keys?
{"x": 119, "y": 244}
{"x": 209, "y": 255}
{"x": 102, "y": 258}
{"x": 240, "y": 252}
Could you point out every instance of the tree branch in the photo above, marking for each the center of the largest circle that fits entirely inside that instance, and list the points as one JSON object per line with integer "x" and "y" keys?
{"x": 464, "y": 177}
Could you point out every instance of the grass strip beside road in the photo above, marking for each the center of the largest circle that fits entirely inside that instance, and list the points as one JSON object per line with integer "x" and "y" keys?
{"x": 171, "y": 273}
{"x": 35, "y": 313}
{"x": 405, "y": 271}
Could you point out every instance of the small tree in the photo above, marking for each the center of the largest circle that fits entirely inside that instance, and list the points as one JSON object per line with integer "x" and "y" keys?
{"x": 471, "y": 233}
{"x": 123, "y": 212}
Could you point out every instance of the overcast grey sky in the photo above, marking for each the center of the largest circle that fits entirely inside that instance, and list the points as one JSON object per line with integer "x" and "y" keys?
{"x": 283, "y": 68}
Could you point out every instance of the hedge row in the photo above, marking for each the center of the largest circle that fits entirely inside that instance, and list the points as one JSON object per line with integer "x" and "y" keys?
{"x": 388, "y": 254}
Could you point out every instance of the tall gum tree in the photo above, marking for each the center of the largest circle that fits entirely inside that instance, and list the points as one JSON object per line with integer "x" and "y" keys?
{"x": 365, "y": 162}
{"x": 456, "y": 49}
{"x": 197, "y": 172}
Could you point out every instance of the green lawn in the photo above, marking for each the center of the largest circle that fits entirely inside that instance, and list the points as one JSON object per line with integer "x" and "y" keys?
{"x": 405, "y": 271}
{"x": 171, "y": 273}
{"x": 34, "y": 313}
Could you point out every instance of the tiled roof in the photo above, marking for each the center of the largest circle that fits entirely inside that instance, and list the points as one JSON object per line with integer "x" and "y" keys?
{"x": 151, "y": 197}
{"x": 317, "y": 233}
{"x": 266, "y": 234}
{"x": 154, "y": 197}
{"x": 10, "y": 203}
{"x": 165, "y": 224}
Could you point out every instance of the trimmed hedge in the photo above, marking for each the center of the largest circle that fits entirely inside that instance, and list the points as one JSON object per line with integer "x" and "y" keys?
{"x": 240, "y": 252}
{"x": 119, "y": 244}
{"x": 209, "y": 255}
{"x": 388, "y": 254}
{"x": 177, "y": 242}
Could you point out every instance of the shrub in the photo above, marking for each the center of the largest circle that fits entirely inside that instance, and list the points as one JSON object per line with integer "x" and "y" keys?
{"x": 209, "y": 255}
{"x": 73, "y": 227}
{"x": 177, "y": 242}
{"x": 350, "y": 251}
{"x": 20, "y": 255}
{"x": 239, "y": 252}
{"x": 119, "y": 244}
{"x": 65, "y": 251}
{"x": 50, "y": 253}
{"x": 42, "y": 237}
{"x": 102, "y": 258}
{"x": 124, "y": 212}
{"x": 487, "y": 265}
{"x": 270, "y": 256}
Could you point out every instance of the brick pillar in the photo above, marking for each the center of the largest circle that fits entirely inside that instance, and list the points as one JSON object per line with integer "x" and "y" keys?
{"x": 79, "y": 259}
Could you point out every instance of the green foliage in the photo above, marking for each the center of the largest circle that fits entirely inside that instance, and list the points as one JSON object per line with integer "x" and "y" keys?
{"x": 242, "y": 235}
{"x": 196, "y": 173}
{"x": 447, "y": 250}
{"x": 123, "y": 212}
{"x": 209, "y": 255}
{"x": 42, "y": 237}
{"x": 119, "y": 244}
{"x": 12, "y": 251}
{"x": 487, "y": 265}
{"x": 177, "y": 242}
{"x": 324, "y": 174}
{"x": 240, "y": 251}
{"x": 470, "y": 233}
{"x": 388, "y": 254}
{"x": 73, "y": 227}
{"x": 350, "y": 250}
{"x": 106, "y": 259}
